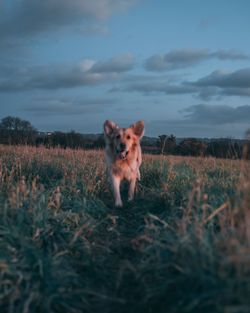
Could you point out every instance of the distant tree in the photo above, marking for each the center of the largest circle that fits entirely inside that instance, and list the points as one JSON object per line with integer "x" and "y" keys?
{"x": 170, "y": 146}
{"x": 100, "y": 142}
{"x": 246, "y": 148}
{"x": 58, "y": 139}
{"x": 225, "y": 148}
{"x": 162, "y": 142}
{"x": 192, "y": 147}
{"x": 71, "y": 139}
{"x": 74, "y": 140}
{"x": 237, "y": 150}
{"x": 248, "y": 134}
{"x": 17, "y": 131}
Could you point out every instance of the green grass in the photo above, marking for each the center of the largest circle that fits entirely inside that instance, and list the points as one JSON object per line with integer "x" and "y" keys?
{"x": 183, "y": 245}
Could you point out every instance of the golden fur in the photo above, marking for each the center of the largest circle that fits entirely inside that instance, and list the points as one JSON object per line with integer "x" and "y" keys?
{"x": 123, "y": 156}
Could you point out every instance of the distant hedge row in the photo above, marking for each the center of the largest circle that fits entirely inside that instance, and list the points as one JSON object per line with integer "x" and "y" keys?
{"x": 14, "y": 131}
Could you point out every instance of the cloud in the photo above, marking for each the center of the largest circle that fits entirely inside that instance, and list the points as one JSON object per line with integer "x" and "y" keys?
{"x": 242, "y": 92}
{"x": 86, "y": 73}
{"x": 187, "y": 128}
{"x": 217, "y": 114}
{"x": 152, "y": 87}
{"x": 216, "y": 85}
{"x": 147, "y": 84}
{"x": 237, "y": 79}
{"x": 203, "y": 120}
{"x": 54, "y": 77}
{"x": 94, "y": 30}
{"x": 228, "y": 55}
{"x": 220, "y": 83}
{"x": 118, "y": 64}
{"x": 178, "y": 59}
{"x": 29, "y": 17}
{"x": 25, "y": 22}
{"x": 67, "y": 106}
{"x": 204, "y": 23}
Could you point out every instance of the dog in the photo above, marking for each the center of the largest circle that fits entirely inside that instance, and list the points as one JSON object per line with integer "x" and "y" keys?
{"x": 123, "y": 155}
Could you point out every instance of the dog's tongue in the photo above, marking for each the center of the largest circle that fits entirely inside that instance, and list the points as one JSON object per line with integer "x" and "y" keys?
{"x": 122, "y": 155}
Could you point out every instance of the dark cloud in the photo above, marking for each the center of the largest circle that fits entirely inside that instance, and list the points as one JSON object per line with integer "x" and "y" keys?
{"x": 85, "y": 73}
{"x": 216, "y": 85}
{"x": 237, "y": 79}
{"x": 206, "y": 121}
{"x": 178, "y": 59}
{"x": 28, "y": 17}
{"x": 208, "y": 93}
{"x": 242, "y": 92}
{"x": 24, "y": 22}
{"x": 217, "y": 114}
{"x": 220, "y": 83}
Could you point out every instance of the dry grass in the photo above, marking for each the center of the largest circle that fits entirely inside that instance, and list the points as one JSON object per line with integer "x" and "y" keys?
{"x": 182, "y": 246}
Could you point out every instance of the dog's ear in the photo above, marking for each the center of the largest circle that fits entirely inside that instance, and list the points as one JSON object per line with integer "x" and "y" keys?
{"x": 138, "y": 128}
{"x": 109, "y": 127}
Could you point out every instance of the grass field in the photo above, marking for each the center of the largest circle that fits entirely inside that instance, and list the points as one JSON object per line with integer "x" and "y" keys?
{"x": 183, "y": 245}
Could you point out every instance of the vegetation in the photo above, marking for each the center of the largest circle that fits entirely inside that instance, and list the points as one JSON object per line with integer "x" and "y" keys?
{"x": 183, "y": 245}
{"x": 15, "y": 131}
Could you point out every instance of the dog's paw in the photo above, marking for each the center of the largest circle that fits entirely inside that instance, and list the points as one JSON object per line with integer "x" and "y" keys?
{"x": 118, "y": 204}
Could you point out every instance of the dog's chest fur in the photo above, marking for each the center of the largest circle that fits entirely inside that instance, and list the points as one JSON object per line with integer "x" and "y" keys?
{"x": 125, "y": 169}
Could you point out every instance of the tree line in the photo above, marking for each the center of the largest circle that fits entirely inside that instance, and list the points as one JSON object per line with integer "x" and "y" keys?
{"x": 225, "y": 148}
{"x": 15, "y": 131}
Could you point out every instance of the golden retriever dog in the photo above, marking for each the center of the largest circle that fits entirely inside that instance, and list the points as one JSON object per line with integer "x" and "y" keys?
{"x": 123, "y": 156}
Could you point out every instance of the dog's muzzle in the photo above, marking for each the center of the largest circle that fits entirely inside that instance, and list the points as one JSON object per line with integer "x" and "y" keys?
{"x": 122, "y": 154}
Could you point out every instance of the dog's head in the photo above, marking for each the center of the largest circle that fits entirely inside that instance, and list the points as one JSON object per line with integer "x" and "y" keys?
{"x": 123, "y": 139}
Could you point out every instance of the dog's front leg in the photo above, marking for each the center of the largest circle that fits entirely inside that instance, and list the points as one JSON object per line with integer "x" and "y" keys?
{"x": 131, "y": 190}
{"x": 138, "y": 174}
{"x": 116, "y": 181}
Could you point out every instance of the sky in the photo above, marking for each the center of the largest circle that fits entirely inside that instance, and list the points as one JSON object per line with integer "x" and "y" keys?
{"x": 183, "y": 66}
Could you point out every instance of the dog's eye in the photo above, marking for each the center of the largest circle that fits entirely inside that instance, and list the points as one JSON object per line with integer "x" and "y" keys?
{"x": 128, "y": 137}
{"x": 118, "y": 136}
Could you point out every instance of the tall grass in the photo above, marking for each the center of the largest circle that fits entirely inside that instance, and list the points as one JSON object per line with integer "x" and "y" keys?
{"x": 183, "y": 245}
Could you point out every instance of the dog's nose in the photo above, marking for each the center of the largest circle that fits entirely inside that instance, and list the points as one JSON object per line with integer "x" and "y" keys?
{"x": 122, "y": 146}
